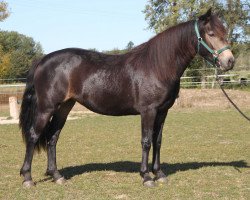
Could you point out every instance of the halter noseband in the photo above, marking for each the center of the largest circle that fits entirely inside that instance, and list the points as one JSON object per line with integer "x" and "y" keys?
{"x": 215, "y": 53}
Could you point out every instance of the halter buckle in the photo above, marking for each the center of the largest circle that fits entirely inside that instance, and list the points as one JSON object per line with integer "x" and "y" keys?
{"x": 215, "y": 54}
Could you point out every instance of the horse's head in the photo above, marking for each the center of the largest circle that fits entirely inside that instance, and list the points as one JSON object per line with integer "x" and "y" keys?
{"x": 214, "y": 35}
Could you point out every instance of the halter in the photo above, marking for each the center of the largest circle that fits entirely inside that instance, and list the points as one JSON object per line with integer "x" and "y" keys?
{"x": 215, "y": 53}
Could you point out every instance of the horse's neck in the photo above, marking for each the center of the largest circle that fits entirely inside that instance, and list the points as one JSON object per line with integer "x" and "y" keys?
{"x": 181, "y": 48}
{"x": 183, "y": 60}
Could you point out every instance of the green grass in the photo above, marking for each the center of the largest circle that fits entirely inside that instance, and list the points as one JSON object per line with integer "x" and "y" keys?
{"x": 206, "y": 155}
{"x": 4, "y": 114}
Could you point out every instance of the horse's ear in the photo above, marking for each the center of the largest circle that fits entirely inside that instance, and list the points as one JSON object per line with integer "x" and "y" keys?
{"x": 206, "y": 17}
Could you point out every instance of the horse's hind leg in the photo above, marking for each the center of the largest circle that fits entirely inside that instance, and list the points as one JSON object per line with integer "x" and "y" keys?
{"x": 41, "y": 120}
{"x": 55, "y": 127}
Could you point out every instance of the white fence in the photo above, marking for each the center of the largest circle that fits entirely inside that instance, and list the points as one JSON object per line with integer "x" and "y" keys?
{"x": 210, "y": 81}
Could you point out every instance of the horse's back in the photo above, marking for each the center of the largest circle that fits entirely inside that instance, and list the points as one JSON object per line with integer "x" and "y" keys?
{"x": 98, "y": 81}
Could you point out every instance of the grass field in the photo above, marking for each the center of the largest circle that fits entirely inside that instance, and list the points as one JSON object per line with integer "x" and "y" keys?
{"x": 206, "y": 155}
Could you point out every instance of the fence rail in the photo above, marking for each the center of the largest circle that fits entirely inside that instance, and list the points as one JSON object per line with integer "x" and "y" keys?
{"x": 209, "y": 81}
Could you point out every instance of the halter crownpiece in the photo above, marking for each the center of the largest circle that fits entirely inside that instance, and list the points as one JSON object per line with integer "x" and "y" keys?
{"x": 215, "y": 53}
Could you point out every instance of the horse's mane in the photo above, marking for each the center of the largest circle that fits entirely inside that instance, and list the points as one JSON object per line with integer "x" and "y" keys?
{"x": 166, "y": 51}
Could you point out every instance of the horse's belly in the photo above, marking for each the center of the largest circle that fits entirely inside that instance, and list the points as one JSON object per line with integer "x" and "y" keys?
{"x": 108, "y": 103}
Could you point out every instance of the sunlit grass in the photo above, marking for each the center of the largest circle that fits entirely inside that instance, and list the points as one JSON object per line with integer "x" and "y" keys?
{"x": 206, "y": 155}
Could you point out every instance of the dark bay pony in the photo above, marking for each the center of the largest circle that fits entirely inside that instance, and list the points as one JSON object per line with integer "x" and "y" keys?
{"x": 144, "y": 81}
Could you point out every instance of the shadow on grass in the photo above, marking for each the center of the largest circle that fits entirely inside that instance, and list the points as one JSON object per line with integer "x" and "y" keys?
{"x": 132, "y": 167}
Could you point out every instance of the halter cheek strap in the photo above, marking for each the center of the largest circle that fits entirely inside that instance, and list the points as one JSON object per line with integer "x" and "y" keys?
{"x": 215, "y": 53}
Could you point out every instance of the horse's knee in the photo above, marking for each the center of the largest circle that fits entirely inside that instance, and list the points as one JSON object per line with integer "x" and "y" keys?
{"x": 146, "y": 143}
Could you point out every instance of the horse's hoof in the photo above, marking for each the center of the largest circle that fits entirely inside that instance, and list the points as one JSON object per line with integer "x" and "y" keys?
{"x": 28, "y": 184}
{"x": 162, "y": 181}
{"x": 60, "y": 181}
{"x": 149, "y": 184}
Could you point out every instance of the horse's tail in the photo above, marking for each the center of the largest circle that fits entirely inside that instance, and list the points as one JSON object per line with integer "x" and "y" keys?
{"x": 28, "y": 109}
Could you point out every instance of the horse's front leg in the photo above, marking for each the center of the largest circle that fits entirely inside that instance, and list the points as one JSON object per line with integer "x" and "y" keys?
{"x": 147, "y": 122}
{"x": 157, "y": 138}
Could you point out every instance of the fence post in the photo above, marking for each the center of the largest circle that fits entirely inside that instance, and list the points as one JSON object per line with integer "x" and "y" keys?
{"x": 203, "y": 82}
{"x": 14, "y": 113}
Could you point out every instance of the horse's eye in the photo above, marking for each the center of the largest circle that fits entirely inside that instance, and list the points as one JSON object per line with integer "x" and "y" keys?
{"x": 211, "y": 33}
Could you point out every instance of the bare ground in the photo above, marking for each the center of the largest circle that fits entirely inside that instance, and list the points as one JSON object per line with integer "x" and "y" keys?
{"x": 209, "y": 99}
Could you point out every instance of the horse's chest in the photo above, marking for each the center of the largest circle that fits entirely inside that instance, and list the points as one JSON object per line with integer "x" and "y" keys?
{"x": 158, "y": 96}
{"x": 170, "y": 97}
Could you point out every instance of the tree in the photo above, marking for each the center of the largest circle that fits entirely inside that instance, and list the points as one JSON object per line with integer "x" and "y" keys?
{"x": 162, "y": 14}
{"x": 4, "y": 13}
{"x": 130, "y": 45}
{"x": 17, "y": 53}
{"x": 4, "y": 63}
{"x": 236, "y": 16}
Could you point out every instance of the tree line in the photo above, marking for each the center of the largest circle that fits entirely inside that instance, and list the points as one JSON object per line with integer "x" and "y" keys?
{"x": 18, "y": 51}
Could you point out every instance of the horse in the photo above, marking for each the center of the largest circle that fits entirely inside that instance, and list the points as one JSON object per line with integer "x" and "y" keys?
{"x": 144, "y": 81}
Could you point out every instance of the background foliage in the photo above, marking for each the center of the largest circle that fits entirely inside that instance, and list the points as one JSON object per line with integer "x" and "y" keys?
{"x": 162, "y": 14}
{"x": 4, "y": 13}
{"x": 17, "y": 52}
